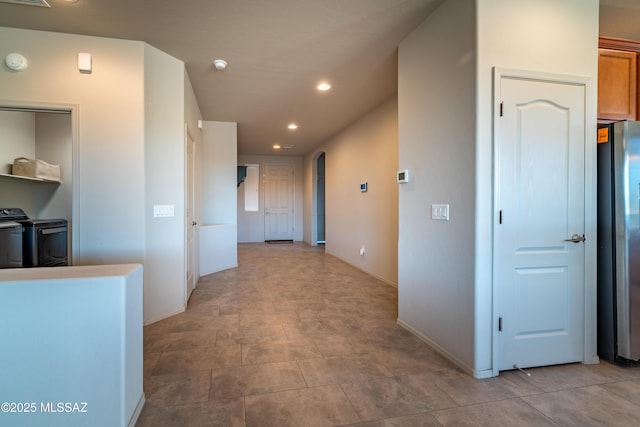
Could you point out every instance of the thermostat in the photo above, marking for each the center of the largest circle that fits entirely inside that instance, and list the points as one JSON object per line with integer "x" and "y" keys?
{"x": 403, "y": 176}
{"x": 363, "y": 187}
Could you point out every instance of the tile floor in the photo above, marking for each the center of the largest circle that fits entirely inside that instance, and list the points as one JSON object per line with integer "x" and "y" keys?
{"x": 294, "y": 337}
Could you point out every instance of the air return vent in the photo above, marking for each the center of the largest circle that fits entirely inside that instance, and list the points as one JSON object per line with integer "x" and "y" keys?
{"x": 41, "y": 3}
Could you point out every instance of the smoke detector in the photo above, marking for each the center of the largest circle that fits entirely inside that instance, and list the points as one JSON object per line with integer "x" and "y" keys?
{"x": 41, "y": 3}
{"x": 220, "y": 64}
{"x": 16, "y": 62}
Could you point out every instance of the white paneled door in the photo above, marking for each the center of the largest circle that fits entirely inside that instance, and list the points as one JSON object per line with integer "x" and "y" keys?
{"x": 539, "y": 250}
{"x": 278, "y": 201}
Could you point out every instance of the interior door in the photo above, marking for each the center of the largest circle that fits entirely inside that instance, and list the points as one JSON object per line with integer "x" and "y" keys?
{"x": 191, "y": 223}
{"x": 278, "y": 202}
{"x": 539, "y": 252}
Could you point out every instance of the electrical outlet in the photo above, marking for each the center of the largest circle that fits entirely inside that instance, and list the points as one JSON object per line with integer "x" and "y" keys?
{"x": 440, "y": 212}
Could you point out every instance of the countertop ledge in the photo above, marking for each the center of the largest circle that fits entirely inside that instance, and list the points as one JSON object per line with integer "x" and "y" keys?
{"x": 71, "y": 272}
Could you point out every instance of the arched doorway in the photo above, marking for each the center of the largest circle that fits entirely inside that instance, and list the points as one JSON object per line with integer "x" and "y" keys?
{"x": 320, "y": 200}
{"x": 318, "y": 223}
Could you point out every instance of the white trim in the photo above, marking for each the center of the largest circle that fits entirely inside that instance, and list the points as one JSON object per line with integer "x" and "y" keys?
{"x": 246, "y": 187}
{"x": 446, "y": 354}
{"x": 590, "y": 252}
{"x": 136, "y": 412}
{"x": 195, "y": 237}
{"x": 357, "y": 267}
{"x": 185, "y": 265}
{"x": 164, "y": 316}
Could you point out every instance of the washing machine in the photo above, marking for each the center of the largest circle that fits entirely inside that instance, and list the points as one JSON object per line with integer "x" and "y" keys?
{"x": 10, "y": 244}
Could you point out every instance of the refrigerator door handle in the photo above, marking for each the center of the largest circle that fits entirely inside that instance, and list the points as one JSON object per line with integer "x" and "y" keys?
{"x": 576, "y": 238}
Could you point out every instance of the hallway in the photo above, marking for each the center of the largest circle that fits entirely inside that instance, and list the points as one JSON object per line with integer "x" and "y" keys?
{"x": 294, "y": 337}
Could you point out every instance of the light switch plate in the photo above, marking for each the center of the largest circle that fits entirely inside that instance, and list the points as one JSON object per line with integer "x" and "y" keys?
{"x": 163, "y": 211}
{"x": 440, "y": 212}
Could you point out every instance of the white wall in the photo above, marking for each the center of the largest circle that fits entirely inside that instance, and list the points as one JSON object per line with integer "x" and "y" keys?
{"x": 111, "y": 131}
{"x": 117, "y": 162}
{"x": 46, "y": 136}
{"x": 164, "y": 166}
{"x": 220, "y": 145}
{"x": 72, "y": 334}
{"x": 219, "y": 229}
{"x": 366, "y": 151}
{"x": 251, "y": 224}
{"x": 445, "y": 121}
{"x": 436, "y": 103}
{"x": 543, "y": 35}
{"x": 54, "y": 145}
{"x": 619, "y": 19}
{"x": 17, "y": 139}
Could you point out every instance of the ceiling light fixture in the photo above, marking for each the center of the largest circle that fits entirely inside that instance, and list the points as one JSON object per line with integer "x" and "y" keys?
{"x": 323, "y": 86}
{"x": 276, "y": 146}
{"x": 220, "y": 64}
{"x": 293, "y": 126}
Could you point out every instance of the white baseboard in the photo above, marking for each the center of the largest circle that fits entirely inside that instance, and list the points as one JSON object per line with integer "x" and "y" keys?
{"x": 136, "y": 413}
{"x": 382, "y": 279}
{"x": 447, "y": 355}
{"x": 164, "y": 316}
{"x": 593, "y": 361}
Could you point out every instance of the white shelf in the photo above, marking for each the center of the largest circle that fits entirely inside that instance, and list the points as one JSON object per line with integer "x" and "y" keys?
{"x": 27, "y": 178}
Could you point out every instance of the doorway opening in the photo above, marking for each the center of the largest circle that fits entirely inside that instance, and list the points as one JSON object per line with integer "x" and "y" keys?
{"x": 320, "y": 200}
{"x": 46, "y": 132}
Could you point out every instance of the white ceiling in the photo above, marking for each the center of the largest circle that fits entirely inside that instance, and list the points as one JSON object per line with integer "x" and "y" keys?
{"x": 277, "y": 50}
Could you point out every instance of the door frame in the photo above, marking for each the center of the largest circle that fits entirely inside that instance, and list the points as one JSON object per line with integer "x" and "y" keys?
{"x": 314, "y": 196}
{"x": 590, "y": 355}
{"x": 190, "y": 215}
{"x": 190, "y": 164}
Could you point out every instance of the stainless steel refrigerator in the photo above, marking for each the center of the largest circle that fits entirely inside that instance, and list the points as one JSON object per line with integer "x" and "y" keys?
{"x": 619, "y": 242}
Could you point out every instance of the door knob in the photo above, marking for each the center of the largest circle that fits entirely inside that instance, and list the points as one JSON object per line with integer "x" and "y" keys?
{"x": 576, "y": 238}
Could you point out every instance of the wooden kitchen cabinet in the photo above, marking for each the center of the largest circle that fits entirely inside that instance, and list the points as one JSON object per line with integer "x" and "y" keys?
{"x": 617, "y": 85}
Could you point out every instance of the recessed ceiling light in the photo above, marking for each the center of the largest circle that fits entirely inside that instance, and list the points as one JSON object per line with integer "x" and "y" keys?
{"x": 276, "y": 146}
{"x": 323, "y": 86}
{"x": 292, "y": 126}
